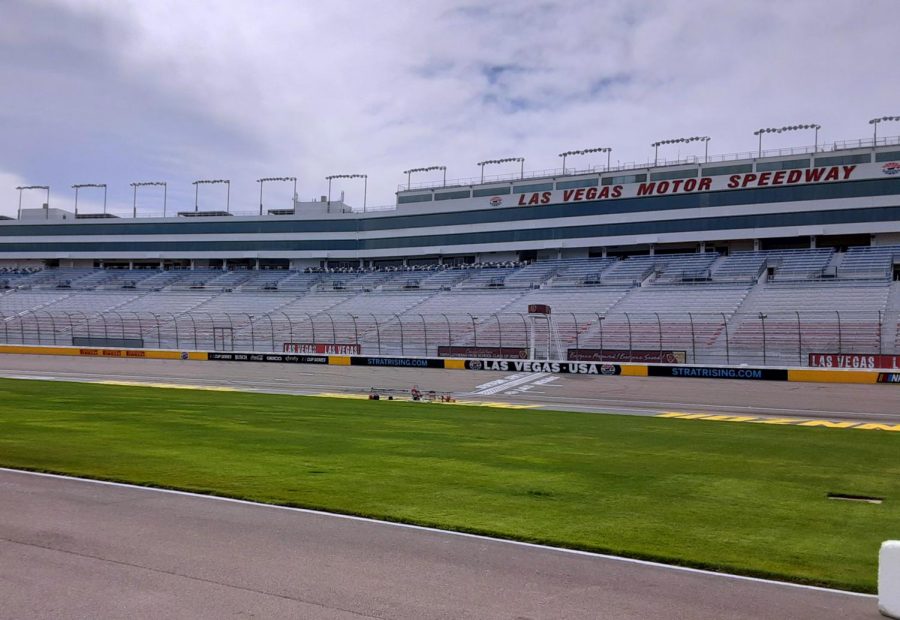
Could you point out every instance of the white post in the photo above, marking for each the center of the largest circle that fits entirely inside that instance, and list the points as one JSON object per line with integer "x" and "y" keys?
{"x": 889, "y": 579}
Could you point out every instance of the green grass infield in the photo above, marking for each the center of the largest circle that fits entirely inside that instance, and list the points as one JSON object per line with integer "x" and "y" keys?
{"x": 742, "y": 498}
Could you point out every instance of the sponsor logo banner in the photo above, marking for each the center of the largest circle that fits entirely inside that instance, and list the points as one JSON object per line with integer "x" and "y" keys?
{"x": 267, "y": 357}
{"x": 889, "y": 377}
{"x": 507, "y": 353}
{"x": 573, "y": 368}
{"x": 111, "y": 353}
{"x": 319, "y": 348}
{"x": 854, "y": 360}
{"x": 892, "y": 168}
{"x": 700, "y": 372}
{"x": 397, "y": 362}
{"x": 624, "y": 355}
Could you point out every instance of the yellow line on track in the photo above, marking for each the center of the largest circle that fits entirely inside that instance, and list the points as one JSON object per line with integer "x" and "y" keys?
{"x": 865, "y": 426}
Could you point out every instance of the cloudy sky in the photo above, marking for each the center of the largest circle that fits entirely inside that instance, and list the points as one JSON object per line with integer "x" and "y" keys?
{"x": 103, "y": 91}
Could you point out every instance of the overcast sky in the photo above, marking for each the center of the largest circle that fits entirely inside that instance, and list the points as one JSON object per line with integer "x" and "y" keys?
{"x": 101, "y": 91}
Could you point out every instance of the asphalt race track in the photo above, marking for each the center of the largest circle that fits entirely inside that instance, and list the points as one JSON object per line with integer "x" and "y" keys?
{"x": 631, "y": 395}
{"x": 81, "y": 549}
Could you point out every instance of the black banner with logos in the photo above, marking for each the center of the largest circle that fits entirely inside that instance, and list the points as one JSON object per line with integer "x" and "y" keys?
{"x": 702, "y": 372}
{"x": 278, "y": 358}
{"x": 397, "y": 362}
{"x": 889, "y": 377}
{"x": 572, "y": 368}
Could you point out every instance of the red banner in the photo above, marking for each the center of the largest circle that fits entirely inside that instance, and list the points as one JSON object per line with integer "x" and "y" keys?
{"x": 318, "y": 348}
{"x": 624, "y": 355}
{"x": 854, "y": 360}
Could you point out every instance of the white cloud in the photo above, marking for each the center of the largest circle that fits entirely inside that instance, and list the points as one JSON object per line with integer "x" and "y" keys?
{"x": 115, "y": 92}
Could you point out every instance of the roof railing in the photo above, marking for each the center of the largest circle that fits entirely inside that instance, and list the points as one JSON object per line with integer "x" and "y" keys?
{"x": 840, "y": 145}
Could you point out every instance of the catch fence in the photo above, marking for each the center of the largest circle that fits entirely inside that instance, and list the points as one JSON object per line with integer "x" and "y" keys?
{"x": 763, "y": 338}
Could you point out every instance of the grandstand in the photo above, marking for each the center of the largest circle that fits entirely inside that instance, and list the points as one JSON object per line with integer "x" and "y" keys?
{"x": 735, "y": 271}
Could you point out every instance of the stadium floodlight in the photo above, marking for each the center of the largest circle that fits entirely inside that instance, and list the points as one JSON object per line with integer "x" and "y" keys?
{"x": 78, "y": 186}
{"x": 760, "y": 132}
{"x": 264, "y": 179}
{"x": 364, "y": 177}
{"x": 24, "y": 187}
{"x": 138, "y": 184}
{"x": 659, "y": 143}
{"x": 200, "y": 182}
{"x": 601, "y": 149}
{"x": 874, "y": 122}
{"x": 505, "y": 160}
{"x": 409, "y": 172}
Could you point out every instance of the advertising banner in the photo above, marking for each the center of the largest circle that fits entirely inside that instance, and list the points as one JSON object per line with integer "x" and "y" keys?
{"x": 397, "y": 362}
{"x": 860, "y": 361}
{"x": 506, "y": 353}
{"x": 267, "y": 357}
{"x": 624, "y": 355}
{"x": 700, "y": 372}
{"x": 319, "y": 348}
{"x": 574, "y": 368}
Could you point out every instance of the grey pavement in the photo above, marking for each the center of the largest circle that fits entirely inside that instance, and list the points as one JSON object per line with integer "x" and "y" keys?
{"x": 79, "y": 549}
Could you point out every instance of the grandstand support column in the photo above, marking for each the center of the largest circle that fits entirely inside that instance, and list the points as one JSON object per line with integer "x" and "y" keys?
{"x": 840, "y": 335}
{"x": 531, "y": 339}
{"x": 630, "y": 347}
{"x": 575, "y": 321}
{"x": 693, "y": 337}
{"x": 812, "y": 242}
{"x": 659, "y": 328}
{"x": 424, "y": 334}
{"x": 727, "y": 344}
{"x": 400, "y": 323}
{"x": 600, "y": 320}
{"x": 756, "y": 245}
{"x": 762, "y": 318}
{"x": 449, "y": 337}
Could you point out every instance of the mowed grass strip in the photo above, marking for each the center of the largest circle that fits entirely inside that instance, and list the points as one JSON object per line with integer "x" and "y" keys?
{"x": 737, "y": 497}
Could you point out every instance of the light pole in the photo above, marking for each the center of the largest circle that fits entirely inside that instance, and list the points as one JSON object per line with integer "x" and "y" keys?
{"x": 24, "y": 187}
{"x": 364, "y": 177}
{"x": 138, "y": 184}
{"x": 874, "y": 122}
{"x": 200, "y": 182}
{"x": 704, "y": 139}
{"x": 409, "y": 172}
{"x": 604, "y": 149}
{"x": 760, "y": 132}
{"x": 78, "y": 186}
{"x": 487, "y": 162}
{"x": 264, "y": 179}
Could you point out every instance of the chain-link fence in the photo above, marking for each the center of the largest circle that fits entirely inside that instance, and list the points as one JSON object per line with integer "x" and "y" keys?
{"x": 767, "y": 338}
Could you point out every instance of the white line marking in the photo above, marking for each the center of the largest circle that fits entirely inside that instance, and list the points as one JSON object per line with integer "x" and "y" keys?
{"x": 510, "y": 384}
{"x": 422, "y": 528}
{"x": 546, "y": 380}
